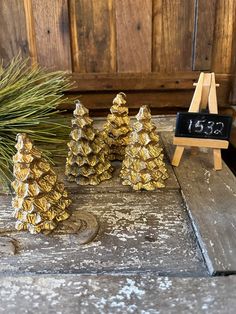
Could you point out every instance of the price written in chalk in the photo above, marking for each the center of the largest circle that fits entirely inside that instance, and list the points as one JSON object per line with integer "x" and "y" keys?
{"x": 203, "y": 125}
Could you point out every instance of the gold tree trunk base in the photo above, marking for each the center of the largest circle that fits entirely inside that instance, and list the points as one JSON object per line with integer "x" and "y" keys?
{"x": 83, "y": 225}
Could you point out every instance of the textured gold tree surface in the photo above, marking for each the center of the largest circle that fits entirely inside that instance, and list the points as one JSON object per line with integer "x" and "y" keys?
{"x": 117, "y": 129}
{"x": 87, "y": 161}
{"x": 40, "y": 201}
{"x": 143, "y": 166}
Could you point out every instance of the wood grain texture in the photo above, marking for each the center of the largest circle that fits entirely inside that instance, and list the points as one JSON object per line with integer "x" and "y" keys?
{"x": 210, "y": 197}
{"x": 173, "y": 27}
{"x": 138, "y": 232}
{"x": 155, "y": 99}
{"x": 117, "y": 294}
{"x": 13, "y": 33}
{"x": 134, "y": 35}
{"x": 204, "y": 34}
{"x": 93, "y": 35}
{"x": 51, "y": 31}
{"x": 223, "y": 55}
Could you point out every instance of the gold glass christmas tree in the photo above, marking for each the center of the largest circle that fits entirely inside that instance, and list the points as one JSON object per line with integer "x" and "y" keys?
{"x": 87, "y": 161}
{"x": 143, "y": 166}
{"x": 40, "y": 201}
{"x": 117, "y": 129}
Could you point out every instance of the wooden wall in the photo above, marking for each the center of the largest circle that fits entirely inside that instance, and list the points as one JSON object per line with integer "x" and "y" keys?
{"x": 152, "y": 49}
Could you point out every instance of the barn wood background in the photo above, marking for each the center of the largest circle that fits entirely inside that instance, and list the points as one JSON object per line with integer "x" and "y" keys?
{"x": 153, "y": 49}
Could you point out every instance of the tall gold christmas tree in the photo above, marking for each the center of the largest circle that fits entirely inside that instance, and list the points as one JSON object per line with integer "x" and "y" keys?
{"x": 117, "y": 129}
{"x": 87, "y": 161}
{"x": 143, "y": 166}
{"x": 40, "y": 201}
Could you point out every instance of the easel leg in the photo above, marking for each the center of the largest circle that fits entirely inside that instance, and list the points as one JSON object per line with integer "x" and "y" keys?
{"x": 177, "y": 155}
{"x": 217, "y": 159}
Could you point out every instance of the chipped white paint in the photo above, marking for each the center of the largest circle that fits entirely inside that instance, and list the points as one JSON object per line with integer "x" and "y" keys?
{"x": 146, "y": 294}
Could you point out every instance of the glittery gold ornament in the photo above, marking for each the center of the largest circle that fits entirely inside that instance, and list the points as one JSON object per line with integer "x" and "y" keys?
{"x": 41, "y": 201}
{"x": 87, "y": 161}
{"x": 117, "y": 128}
{"x": 143, "y": 166}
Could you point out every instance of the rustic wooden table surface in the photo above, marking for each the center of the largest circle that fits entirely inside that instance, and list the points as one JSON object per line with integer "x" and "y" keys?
{"x": 166, "y": 251}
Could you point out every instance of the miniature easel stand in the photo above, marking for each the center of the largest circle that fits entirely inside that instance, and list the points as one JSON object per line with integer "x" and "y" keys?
{"x": 205, "y": 93}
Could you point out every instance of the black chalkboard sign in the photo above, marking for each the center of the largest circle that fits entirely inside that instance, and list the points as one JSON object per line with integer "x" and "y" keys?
{"x": 203, "y": 125}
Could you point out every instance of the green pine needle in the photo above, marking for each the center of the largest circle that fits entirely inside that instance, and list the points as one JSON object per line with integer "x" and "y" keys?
{"x": 29, "y": 97}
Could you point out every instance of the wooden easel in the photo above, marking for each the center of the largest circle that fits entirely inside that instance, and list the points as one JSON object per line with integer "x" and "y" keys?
{"x": 205, "y": 94}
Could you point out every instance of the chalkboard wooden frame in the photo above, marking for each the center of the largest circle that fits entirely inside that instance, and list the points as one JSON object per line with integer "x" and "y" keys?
{"x": 204, "y": 98}
{"x": 186, "y": 121}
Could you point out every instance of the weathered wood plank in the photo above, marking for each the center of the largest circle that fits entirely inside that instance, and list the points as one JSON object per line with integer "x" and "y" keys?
{"x": 138, "y": 232}
{"x": 134, "y": 35}
{"x": 93, "y": 35}
{"x": 141, "y": 81}
{"x": 13, "y": 33}
{"x": 173, "y": 27}
{"x": 117, "y": 294}
{"x": 223, "y": 54}
{"x": 52, "y": 36}
{"x": 210, "y": 197}
{"x": 204, "y": 34}
{"x": 162, "y": 101}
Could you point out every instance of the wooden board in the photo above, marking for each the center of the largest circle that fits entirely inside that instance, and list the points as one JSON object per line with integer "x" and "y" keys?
{"x": 138, "y": 232}
{"x": 93, "y": 35}
{"x": 13, "y": 33}
{"x": 141, "y": 81}
{"x": 210, "y": 197}
{"x": 223, "y": 60}
{"x": 50, "y": 23}
{"x": 204, "y": 34}
{"x": 173, "y": 27}
{"x": 134, "y": 35}
{"x": 117, "y": 294}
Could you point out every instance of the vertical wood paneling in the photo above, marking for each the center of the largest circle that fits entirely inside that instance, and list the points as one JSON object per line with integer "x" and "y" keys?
{"x": 52, "y": 36}
{"x": 134, "y": 35}
{"x": 224, "y": 36}
{"x": 204, "y": 34}
{"x": 13, "y": 34}
{"x": 93, "y": 35}
{"x": 173, "y": 28}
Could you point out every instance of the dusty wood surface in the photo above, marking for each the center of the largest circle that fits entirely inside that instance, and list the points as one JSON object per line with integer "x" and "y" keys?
{"x": 172, "y": 25}
{"x": 138, "y": 232}
{"x": 117, "y": 294}
{"x": 222, "y": 54}
{"x": 50, "y": 27}
{"x": 134, "y": 35}
{"x": 204, "y": 35}
{"x": 93, "y": 35}
{"x": 13, "y": 33}
{"x": 140, "y": 81}
{"x": 210, "y": 197}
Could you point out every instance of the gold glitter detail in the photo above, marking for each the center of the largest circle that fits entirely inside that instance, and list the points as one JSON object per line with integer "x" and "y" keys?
{"x": 41, "y": 201}
{"x": 143, "y": 166}
{"x": 117, "y": 129}
{"x": 87, "y": 161}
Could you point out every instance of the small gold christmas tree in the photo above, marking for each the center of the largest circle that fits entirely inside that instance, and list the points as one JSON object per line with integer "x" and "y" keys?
{"x": 87, "y": 161}
{"x": 117, "y": 129}
{"x": 143, "y": 166}
{"x": 40, "y": 201}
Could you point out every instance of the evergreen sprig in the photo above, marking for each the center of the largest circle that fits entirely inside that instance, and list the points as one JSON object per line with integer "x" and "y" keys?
{"x": 29, "y": 97}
